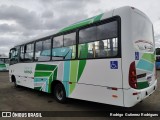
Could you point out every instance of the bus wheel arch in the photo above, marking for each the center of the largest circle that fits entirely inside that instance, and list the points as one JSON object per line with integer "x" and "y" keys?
{"x": 13, "y": 79}
{"x": 58, "y": 90}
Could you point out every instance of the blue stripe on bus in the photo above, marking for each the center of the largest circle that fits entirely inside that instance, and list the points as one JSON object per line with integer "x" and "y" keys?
{"x": 46, "y": 89}
{"x": 145, "y": 65}
{"x": 40, "y": 79}
{"x": 66, "y": 76}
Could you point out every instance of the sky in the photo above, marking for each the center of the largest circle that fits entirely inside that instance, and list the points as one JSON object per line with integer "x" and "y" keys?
{"x": 25, "y": 20}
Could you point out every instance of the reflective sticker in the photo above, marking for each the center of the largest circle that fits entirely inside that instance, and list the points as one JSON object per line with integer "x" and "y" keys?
{"x": 136, "y": 55}
{"x": 114, "y": 64}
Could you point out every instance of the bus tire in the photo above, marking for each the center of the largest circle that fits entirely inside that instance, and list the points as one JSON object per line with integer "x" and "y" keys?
{"x": 59, "y": 93}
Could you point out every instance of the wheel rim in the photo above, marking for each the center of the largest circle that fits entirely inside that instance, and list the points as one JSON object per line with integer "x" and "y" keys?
{"x": 59, "y": 93}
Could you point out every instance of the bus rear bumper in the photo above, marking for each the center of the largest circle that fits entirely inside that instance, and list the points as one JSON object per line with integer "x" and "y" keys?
{"x": 148, "y": 91}
{"x": 134, "y": 96}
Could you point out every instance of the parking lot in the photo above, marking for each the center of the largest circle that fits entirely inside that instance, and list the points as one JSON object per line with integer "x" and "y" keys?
{"x": 24, "y": 99}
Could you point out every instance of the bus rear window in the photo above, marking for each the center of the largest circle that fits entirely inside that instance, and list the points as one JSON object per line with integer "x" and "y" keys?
{"x": 142, "y": 32}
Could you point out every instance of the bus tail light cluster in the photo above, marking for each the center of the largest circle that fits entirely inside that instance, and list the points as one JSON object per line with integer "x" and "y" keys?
{"x": 132, "y": 75}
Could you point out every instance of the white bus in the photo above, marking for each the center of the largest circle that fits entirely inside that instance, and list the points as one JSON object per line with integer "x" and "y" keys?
{"x": 108, "y": 59}
{"x": 4, "y": 64}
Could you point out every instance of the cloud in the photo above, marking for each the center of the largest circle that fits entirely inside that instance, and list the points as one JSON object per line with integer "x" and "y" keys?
{"x": 31, "y": 24}
{"x": 6, "y": 44}
{"x": 27, "y": 19}
{"x": 7, "y": 28}
{"x": 4, "y": 51}
{"x": 47, "y": 14}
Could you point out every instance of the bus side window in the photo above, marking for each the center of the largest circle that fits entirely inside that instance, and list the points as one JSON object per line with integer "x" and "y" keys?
{"x": 28, "y": 52}
{"x": 22, "y": 53}
{"x": 64, "y": 47}
{"x": 86, "y": 47}
{"x": 45, "y": 53}
{"x": 56, "y": 48}
{"x": 43, "y": 50}
{"x": 98, "y": 41}
{"x": 38, "y": 49}
{"x": 69, "y": 44}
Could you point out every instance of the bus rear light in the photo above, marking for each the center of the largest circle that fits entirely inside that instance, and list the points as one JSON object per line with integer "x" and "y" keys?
{"x": 114, "y": 88}
{"x": 132, "y": 75}
{"x": 114, "y": 96}
{"x": 135, "y": 93}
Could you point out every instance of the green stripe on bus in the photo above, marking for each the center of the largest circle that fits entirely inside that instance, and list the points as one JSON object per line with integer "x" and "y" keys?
{"x": 42, "y": 74}
{"x": 73, "y": 74}
{"x": 51, "y": 78}
{"x": 45, "y": 67}
{"x": 49, "y": 83}
{"x": 37, "y": 88}
{"x": 72, "y": 87}
{"x": 83, "y": 23}
{"x": 142, "y": 85}
{"x": 98, "y": 17}
{"x": 149, "y": 57}
{"x": 55, "y": 74}
{"x": 75, "y": 26}
{"x": 82, "y": 64}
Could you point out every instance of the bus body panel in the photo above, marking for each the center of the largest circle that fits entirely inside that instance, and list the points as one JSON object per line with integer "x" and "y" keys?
{"x": 94, "y": 69}
{"x": 24, "y": 73}
{"x": 31, "y": 75}
{"x": 100, "y": 94}
{"x": 126, "y": 43}
{"x": 132, "y": 21}
{"x": 91, "y": 84}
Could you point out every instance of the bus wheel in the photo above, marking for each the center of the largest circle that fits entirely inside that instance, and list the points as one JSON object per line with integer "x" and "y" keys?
{"x": 59, "y": 93}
